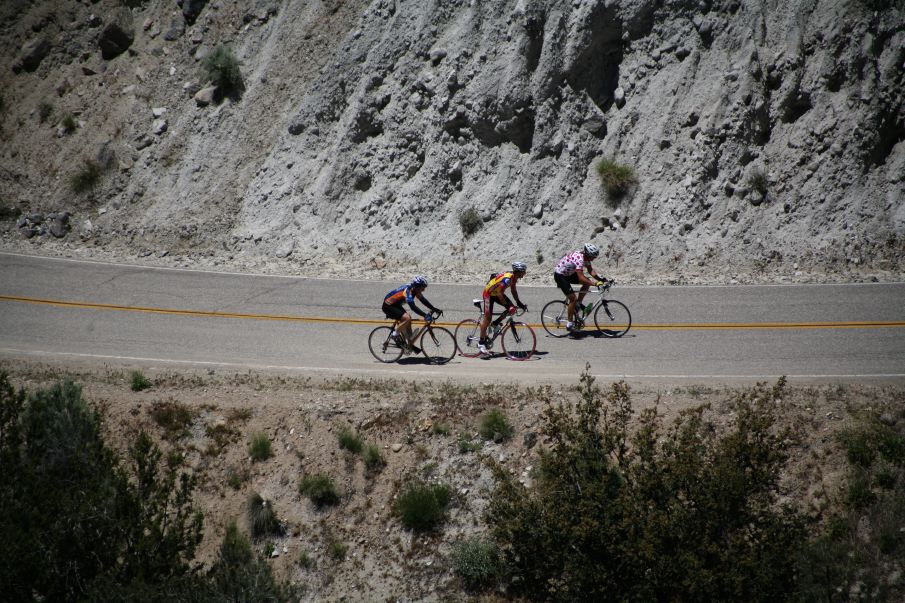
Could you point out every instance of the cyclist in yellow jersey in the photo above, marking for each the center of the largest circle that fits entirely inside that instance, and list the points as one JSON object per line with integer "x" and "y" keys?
{"x": 494, "y": 292}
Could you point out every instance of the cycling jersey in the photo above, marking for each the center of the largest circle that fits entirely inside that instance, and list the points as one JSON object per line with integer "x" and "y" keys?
{"x": 572, "y": 263}
{"x": 498, "y": 284}
{"x": 399, "y": 295}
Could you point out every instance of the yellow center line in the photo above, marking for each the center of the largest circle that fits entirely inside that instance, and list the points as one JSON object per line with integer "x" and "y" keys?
{"x": 872, "y": 324}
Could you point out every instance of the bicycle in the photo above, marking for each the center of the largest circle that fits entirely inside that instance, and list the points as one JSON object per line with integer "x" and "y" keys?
{"x": 437, "y": 344}
{"x": 614, "y": 321}
{"x": 517, "y": 338}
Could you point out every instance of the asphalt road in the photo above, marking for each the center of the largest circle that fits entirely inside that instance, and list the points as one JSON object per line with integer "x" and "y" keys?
{"x": 147, "y": 317}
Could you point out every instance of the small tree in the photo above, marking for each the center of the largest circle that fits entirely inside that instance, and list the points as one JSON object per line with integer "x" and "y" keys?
{"x": 649, "y": 514}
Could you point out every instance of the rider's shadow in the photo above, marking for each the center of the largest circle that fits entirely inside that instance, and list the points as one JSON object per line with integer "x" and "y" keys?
{"x": 596, "y": 335}
{"x": 412, "y": 360}
{"x": 493, "y": 355}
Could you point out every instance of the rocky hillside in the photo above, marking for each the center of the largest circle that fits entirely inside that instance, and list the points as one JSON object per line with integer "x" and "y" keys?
{"x": 766, "y": 138}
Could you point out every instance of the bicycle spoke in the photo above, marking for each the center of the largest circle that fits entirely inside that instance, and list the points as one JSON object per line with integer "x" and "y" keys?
{"x": 438, "y": 345}
{"x": 519, "y": 341}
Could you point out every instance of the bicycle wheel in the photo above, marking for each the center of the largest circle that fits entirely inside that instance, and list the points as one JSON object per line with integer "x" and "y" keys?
{"x": 468, "y": 334}
{"x": 554, "y": 317}
{"x": 615, "y": 319}
{"x": 519, "y": 341}
{"x": 382, "y": 345}
{"x": 438, "y": 345}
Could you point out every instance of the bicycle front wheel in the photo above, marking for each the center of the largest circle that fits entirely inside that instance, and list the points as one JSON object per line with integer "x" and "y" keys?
{"x": 554, "y": 317}
{"x": 382, "y": 346}
{"x": 468, "y": 335}
{"x": 612, "y": 318}
{"x": 438, "y": 345}
{"x": 519, "y": 341}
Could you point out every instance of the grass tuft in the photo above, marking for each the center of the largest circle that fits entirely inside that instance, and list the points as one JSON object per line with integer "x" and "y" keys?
{"x": 615, "y": 177}
{"x": 320, "y": 489}
{"x": 373, "y": 458}
{"x": 260, "y": 449}
{"x": 223, "y": 70}
{"x": 495, "y": 426}
{"x": 351, "y": 441}
{"x": 262, "y": 518}
{"x": 476, "y": 561}
{"x": 470, "y": 221}
{"x": 139, "y": 381}
{"x": 421, "y": 507}
{"x": 86, "y": 178}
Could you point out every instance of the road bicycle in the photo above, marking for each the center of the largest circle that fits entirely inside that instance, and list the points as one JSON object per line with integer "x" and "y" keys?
{"x": 437, "y": 344}
{"x": 517, "y": 338}
{"x": 611, "y": 318}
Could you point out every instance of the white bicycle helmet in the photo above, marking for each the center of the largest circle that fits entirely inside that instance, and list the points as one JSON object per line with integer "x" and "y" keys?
{"x": 519, "y": 267}
{"x": 591, "y": 250}
{"x": 419, "y": 281}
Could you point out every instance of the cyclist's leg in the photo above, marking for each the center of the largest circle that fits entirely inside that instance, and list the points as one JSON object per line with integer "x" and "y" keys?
{"x": 487, "y": 312}
{"x": 401, "y": 317}
{"x": 584, "y": 289}
{"x": 565, "y": 285}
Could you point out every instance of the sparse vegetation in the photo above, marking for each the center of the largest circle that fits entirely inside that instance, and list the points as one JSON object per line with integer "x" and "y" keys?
{"x": 223, "y": 70}
{"x": 139, "y": 381}
{"x": 495, "y": 426}
{"x": 338, "y": 550}
{"x": 466, "y": 445}
{"x": 539, "y": 256}
{"x": 421, "y": 507}
{"x": 470, "y": 221}
{"x": 236, "y": 477}
{"x": 262, "y": 518}
{"x": 351, "y": 441}
{"x": 758, "y": 181}
{"x": 173, "y": 417}
{"x": 9, "y": 211}
{"x": 476, "y": 562}
{"x": 373, "y": 458}
{"x": 305, "y": 560}
{"x": 260, "y": 449}
{"x": 440, "y": 428}
{"x": 86, "y": 178}
{"x": 239, "y": 575}
{"x": 320, "y": 489}
{"x": 615, "y": 177}
{"x": 45, "y": 110}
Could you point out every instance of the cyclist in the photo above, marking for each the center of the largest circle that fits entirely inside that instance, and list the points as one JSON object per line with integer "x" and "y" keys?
{"x": 494, "y": 292}
{"x": 392, "y": 308}
{"x": 570, "y": 270}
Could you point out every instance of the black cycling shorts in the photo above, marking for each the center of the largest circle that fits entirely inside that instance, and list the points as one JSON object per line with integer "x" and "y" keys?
{"x": 394, "y": 311}
{"x": 565, "y": 282}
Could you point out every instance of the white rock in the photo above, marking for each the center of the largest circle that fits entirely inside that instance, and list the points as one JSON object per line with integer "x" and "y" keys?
{"x": 159, "y": 126}
{"x": 158, "y": 111}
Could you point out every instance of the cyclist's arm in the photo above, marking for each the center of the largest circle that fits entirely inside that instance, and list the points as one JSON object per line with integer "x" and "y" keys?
{"x": 584, "y": 280}
{"x": 518, "y": 301}
{"x": 424, "y": 301}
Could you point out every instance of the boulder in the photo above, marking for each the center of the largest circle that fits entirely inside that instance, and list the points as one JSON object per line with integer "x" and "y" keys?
{"x": 33, "y": 52}
{"x": 118, "y": 35}
{"x": 191, "y": 9}
{"x": 619, "y": 97}
{"x": 177, "y": 28}
{"x": 205, "y": 96}
{"x": 59, "y": 224}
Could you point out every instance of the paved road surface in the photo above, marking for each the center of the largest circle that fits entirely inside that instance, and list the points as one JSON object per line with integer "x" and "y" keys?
{"x": 138, "y": 316}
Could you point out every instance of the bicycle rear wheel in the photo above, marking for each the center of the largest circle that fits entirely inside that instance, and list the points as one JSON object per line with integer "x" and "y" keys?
{"x": 382, "y": 346}
{"x": 438, "y": 345}
{"x": 519, "y": 341}
{"x": 468, "y": 334}
{"x": 612, "y": 318}
{"x": 554, "y": 317}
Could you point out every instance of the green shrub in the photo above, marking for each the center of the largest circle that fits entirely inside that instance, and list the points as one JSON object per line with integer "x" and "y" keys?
{"x": 616, "y": 178}
{"x": 45, "y": 109}
{"x": 650, "y": 514}
{"x": 260, "y": 449}
{"x": 173, "y": 417}
{"x": 320, "y": 489}
{"x": 237, "y": 476}
{"x": 495, "y": 426}
{"x": 305, "y": 560}
{"x": 373, "y": 458}
{"x": 86, "y": 178}
{"x": 223, "y": 70}
{"x": 238, "y": 575}
{"x": 349, "y": 440}
{"x": 262, "y": 518}
{"x": 470, "y": 221}
{"x": 139, "y": 381}
{"x": 758, "y": 181}
{"x": 69, "y": 123}
{"x": 440, "y": 428}
{"x": 338, "y": 550}
{"x": 476, "y": 561}
{"x": 422, "y": 507}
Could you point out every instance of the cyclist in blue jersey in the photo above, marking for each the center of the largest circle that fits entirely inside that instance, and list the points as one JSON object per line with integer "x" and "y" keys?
{"x": 392, "y": 308}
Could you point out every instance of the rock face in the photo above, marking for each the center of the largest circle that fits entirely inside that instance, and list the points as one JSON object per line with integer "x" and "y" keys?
{"x": 369, "y": 126}
{"x": 33, "y": 52}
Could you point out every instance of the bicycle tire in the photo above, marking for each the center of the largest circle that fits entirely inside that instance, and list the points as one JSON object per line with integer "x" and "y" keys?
{"x": 382, "y": 346}
{"x": 616, "y": 318}
{"x": 519, "y": 341}
{"x": 438, "y": 345}
{"x": 468, "y": 332}
{"x": 554, "y": 317}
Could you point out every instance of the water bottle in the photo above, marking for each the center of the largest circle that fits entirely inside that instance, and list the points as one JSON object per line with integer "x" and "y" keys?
{"x": 588, "y": 308}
